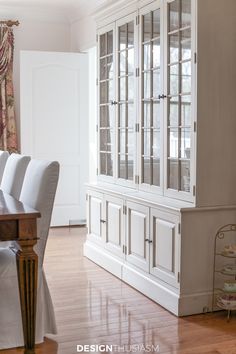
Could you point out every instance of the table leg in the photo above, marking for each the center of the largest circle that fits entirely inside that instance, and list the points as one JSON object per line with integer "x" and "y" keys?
{"x": 27, "y": 268}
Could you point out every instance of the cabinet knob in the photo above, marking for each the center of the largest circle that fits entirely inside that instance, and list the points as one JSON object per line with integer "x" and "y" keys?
{"x": 103, "y": 221}
{"x": 113, "y": 103}
{"x": 147, "y": 240}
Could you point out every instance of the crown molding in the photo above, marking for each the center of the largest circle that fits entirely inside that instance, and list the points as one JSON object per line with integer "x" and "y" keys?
{"x": 112, "y": 6}
{"x": 87, "y": 9}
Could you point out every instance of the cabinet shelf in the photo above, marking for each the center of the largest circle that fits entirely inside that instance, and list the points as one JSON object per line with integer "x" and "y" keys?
{"x": 225, "y": 291}
{"x": 225, "y": 254}
{"x": 225, "y": 307}
{"x": 225, "y": 273}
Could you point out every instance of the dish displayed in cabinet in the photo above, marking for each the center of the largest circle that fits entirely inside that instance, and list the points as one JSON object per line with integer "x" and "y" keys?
{"x": 229, "y": 269}
{"x": 229, "y": 251}
{"x": 230, "y": 286}
{"x": 227, "y": 300}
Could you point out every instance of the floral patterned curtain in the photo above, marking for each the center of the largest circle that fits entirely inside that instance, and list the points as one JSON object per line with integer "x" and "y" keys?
{"x": 8, "y": 138}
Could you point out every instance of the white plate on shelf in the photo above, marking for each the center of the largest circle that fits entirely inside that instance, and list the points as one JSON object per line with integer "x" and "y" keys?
{"x": 229, "y": 250}
{"x": 228, "y": 254}
{"x": 225, "y": 307}
{"x": 230, "y": 286}
{"x": 227, "y": 300}
{"x": 230, "y": 269}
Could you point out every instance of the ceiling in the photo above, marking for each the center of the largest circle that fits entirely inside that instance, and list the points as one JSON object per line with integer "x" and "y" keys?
{"x": 59, "y": 4}
{"x": 48, "y": 3}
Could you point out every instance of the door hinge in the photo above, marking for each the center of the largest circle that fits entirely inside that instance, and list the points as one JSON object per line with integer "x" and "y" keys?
{"x": 137, "y": 72}
{"x": 86, "y": 196}
{"x": 124, "y": 249}
{"x": 124, "y": 209}
{"x": 96, "y": 37}
{"x": 97, "y": 81}
{"x": 178, "y": 277}
{"x": 179, "y": 228}
{"x": 136, "y": 179}
{"x": 195, "y": 58}
{"x": 137, "y": 20}
{"x": 194, "y": 191}
{"x": 97, "y": 171}
{"x": 136, "y": 127}
{"x": 97, "y": 128}
{"x": 195, "y": 127}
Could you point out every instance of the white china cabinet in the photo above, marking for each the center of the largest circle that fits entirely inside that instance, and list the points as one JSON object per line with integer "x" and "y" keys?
{"x": 166, "y": 146}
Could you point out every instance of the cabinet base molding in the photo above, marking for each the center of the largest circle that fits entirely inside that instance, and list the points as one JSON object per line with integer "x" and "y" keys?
{"x": 179, "y": 305}
{"x": 154, "y": 290}
{"x": 100, "y": 257}
{"x": 194, "y": 304}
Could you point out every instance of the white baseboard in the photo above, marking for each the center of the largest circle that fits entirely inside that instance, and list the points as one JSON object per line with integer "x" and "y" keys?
{"x": 154, "y": 290}
{"x": 179, "y": 305}
{"x": 104, "y": 260}
{"x": 193, "y": 304}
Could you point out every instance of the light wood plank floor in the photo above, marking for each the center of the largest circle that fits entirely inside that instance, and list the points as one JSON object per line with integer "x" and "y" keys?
{"x": 94, "y": 307}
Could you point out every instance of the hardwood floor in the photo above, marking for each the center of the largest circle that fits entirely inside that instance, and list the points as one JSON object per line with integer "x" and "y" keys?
{"x": 94, "y": 307}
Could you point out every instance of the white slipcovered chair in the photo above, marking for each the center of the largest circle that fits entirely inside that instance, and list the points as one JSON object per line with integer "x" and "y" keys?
{"x": 3, "y": 159}
{"x": 14, "y": 173}
{"x": 38, "y": 191}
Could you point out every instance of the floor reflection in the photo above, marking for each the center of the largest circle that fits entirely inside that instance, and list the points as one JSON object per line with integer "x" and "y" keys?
{"x": 124, "y": 321}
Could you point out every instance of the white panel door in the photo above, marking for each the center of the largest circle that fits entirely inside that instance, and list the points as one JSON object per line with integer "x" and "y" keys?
{"x": 165, "y": 243}
{"x": 138, "y": 235}
{"x": 54, "y": 124}
{"x": 114, "y": 240}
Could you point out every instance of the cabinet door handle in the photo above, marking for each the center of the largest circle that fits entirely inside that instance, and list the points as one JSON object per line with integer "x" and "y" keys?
{"x": 103, "y": 221}
{"x": 113, "y": 103}
{"x": 146, "y": 240}
{"x": 161, "y": 96}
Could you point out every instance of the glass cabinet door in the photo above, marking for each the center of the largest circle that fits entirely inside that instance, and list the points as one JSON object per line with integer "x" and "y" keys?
{"x": 145, "y": 79}
{"x": 179, "y": 79}
{"x": 126, "y": 99}
{"x": 151, "y": 90}
{"x": 106, "y": 103}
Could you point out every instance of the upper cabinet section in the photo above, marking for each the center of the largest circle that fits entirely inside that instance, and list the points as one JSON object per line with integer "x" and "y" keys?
{"x": 145, "y": 79}
{"x": 166, "y": 86}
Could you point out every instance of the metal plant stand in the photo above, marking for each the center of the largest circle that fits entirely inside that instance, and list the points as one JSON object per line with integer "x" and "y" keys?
{"x": 226, "y": 269}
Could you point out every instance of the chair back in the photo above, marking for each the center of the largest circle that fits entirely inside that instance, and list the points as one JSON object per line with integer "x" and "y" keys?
{"x": 38, "y": 191}
{"x": 3, "y": 159}
{"x": 14, "y": 173}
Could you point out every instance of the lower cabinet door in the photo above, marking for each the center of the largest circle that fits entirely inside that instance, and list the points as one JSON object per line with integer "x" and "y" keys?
{"x": 137, "y": 234}
{"x": 165, "y": 246}
{"x": 96, "y": 223}
{"x": 114, "y": 239}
